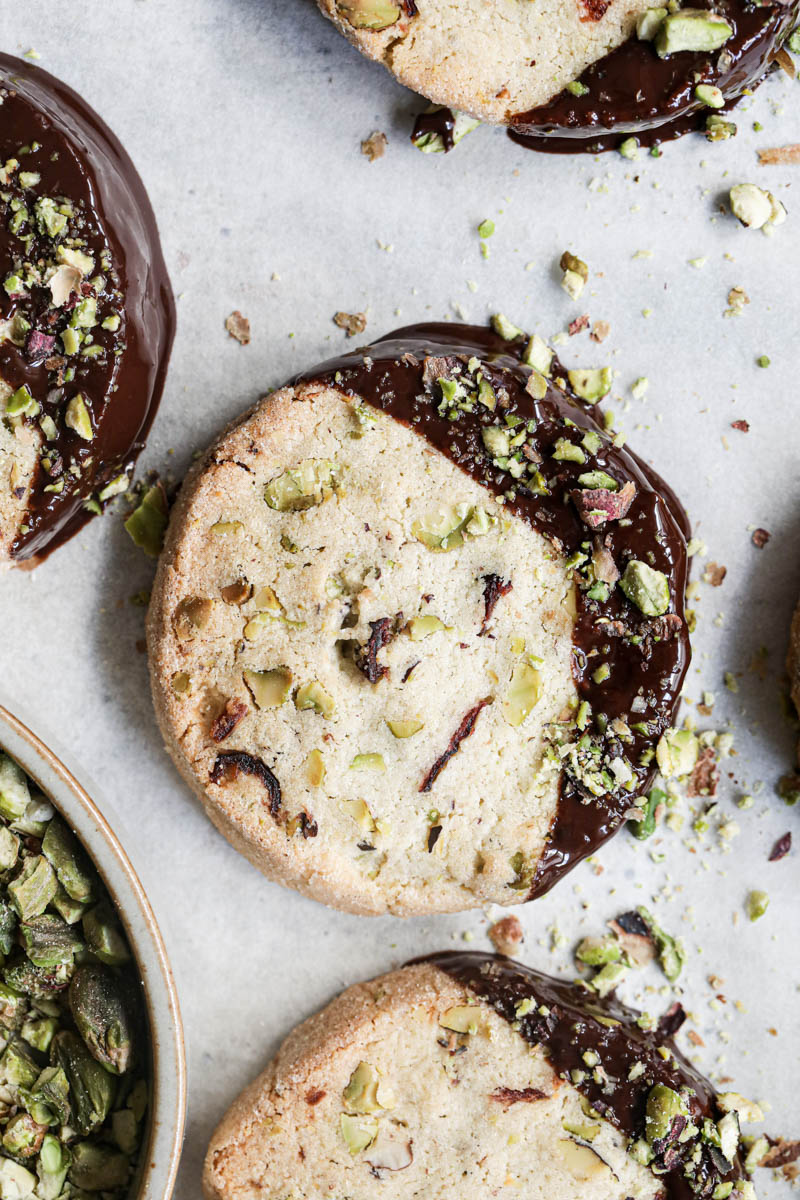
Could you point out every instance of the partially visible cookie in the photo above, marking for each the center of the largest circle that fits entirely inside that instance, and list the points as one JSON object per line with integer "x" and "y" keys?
{"x": 793, "y": 663}
{"x": 417, "y": 627}
{"x": 571, "y": 70}
{"x": 86, "y": 313}
{"x": 472, "y": 1075}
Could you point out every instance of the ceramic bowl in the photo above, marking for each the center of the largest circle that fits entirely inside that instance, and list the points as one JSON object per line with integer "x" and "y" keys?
{"x": 162, "y": 1149}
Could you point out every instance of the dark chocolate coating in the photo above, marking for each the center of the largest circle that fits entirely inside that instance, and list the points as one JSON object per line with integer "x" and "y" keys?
{"x": 631, "y": 91}
{"x": 389, "y": 375}
{"x": 82, "y": 161}
{"x": 577, "y": 1021}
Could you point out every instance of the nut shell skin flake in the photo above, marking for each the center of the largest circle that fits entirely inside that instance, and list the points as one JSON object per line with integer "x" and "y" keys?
{"x": 87, "y": 316}
{"x": 418, "y": 626}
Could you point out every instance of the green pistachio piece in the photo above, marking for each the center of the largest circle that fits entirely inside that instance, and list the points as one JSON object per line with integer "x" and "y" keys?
{"x": 757, "y": 904}
{"x": 9, "y": 848}
{"x": 608, "y": 978}
{"x": 646, "y": 827}
{"x": 98, "y": 1007}
{"x": 598, "y": 951}
{"x": 670, "y": 953}
{"x": 433, "y": 143}
{"x": 645, "y": 587}
{"x": 576, "y": 88}
{"x": 14, "y": 791}
{"x": 748, "y": 1111}
{"x": 694, "y": 29}
{"x": 523, "y": 694}
{"x": 51, "y": 1167}
{"x": 358, "y": 811}
{"x": 147, "y": 524}
{"x": 50, "y": 220}
{"x": 21, "y": 403}
{"x": 39, "y": 982}
{"x": 445, "y": 529}
{"x": 663, "y": 1106}
{"x": 269, "y": 689}
{"x": 104, "y": 937}
{"x": 39, "y": 1032}
{"x": 497, "y": 440}
{"x": 567, "y": 451}
{"x": 676, "y": 753}
{"x": 34, "y": 887}
{"x": 586, "y": 1130}
{"x": 368, "y": 762}
{"x": 405, "y": 729}
{"x": 369, "y": 14}
{"x": 62, "y": 850}
{"x": 124, "y": 1130}
{"x": 98, "y": 1168}
{"x": 649, "y": 22}
{"x": 506, "y": 329}
{"x": 464, "y": 1018}
{"x": 313, "y": 695}
{"x": 598, "y": 479}
{"x": 358, "y": 1132}
{"x": 363, "y": 1093}
{"x": 308, "y": 484}
{"x": 70, "y": 341}
{"x": 590, "y": 383}
{"x": 422, "y": 627}
{"x": 22, "y": 1137}
{"x": 537, "y": 354}
{"x": 76, "y": 417}
{"x": 315, "y": 768}
{"x": 92, "y": 1087}
{"x": 718, "y": 129}
{"x": 49, "y": 941}
{"x": 709, "y": 95}
{"x": 52, "y": 1090}
{"x": 575, "y": 274}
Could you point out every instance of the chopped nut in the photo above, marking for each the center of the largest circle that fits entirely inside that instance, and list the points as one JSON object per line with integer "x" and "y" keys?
{"x": 351, "y": 323}
{"x": 645, "y": 587}
{"x": 369, "y": 14}
{"x": 238, "y": 327}
{"x": 695, "y": 29}
{"x": 374, "y": 146}
{"x": 714, "y": 574}
{"x": 780, "y": 155}
{"x": 575, "y": 273}
{"x": 755, "y": 207}
{"x": 757, "y": 904}
{"x": 705, "y": 775}
{"x": 600, "y": 331}
{"x": 506, "y": 935}
{"x": 760, "y": 538}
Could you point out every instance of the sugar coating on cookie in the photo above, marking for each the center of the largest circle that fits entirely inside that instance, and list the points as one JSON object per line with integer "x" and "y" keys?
{"x": 86, "y": 313}
{"x": 474, "y": 1075}
{"x": 363, "y": 646}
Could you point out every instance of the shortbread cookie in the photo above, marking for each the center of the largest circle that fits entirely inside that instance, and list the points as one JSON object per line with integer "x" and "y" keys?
{"x": 576, "y": 70}
{"x": 418, "y": 626}
{"x": 793, "y": 664}
{"x": 86, "y": 313}
{"x": 472, "y": 1075}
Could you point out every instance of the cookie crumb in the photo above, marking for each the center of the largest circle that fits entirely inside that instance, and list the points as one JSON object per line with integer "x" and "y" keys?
{"x": 600, "y": 331}
{"x": 238, "y": 327}
{"x": 779, "y": 154}
{"x": 506, "y": 935}
{"x": 351, "y": 323}
{"x": 374, "y": 147}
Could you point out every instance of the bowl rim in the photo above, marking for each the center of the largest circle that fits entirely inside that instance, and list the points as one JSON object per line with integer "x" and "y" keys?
{"x": 166, "y": 1128}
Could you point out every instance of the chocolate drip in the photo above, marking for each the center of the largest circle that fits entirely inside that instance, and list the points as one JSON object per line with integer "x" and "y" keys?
{"x": 390, "y": 375}
{"x": 633, "y": 91}
{"x": 80, "y": 160}
{"x": 568, "y": 1021}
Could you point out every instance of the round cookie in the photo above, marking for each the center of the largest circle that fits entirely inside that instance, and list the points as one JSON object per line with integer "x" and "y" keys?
{"x": 86, "y": 313}
{"x": 473, "y": 1075}
{"x": 570, "y": 74}
{"x": 418, "y": 625}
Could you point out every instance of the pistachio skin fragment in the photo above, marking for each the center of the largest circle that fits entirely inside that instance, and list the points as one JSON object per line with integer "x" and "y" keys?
{"x": 373, "y": 15}
{"x": 98, "y": 1007}
{"x": 645, "y": 587}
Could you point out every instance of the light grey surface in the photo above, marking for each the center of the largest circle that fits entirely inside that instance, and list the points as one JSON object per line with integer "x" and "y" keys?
{"x": 245, "y": 117}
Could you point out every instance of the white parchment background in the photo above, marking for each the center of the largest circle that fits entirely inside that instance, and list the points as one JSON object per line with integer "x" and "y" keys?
{"x": 244, "y": 118}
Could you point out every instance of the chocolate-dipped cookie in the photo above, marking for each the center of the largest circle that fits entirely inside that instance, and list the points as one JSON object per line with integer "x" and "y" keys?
{"x": 571, "y": 74}
{"x": 418, "y": 625}
{"x": 86, "y": 313}
{"x": 471, "y": 1075}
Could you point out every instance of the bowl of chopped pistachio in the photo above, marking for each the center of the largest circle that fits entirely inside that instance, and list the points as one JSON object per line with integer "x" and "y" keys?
{"x": 92, "y": 1066}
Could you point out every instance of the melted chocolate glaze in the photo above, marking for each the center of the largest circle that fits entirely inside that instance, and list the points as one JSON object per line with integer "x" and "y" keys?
{"x": 576, "y": 1021}
{"x": 81, "y": 160}
{"x": 633, "y": 91}
{"x": 389, "y": 375}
